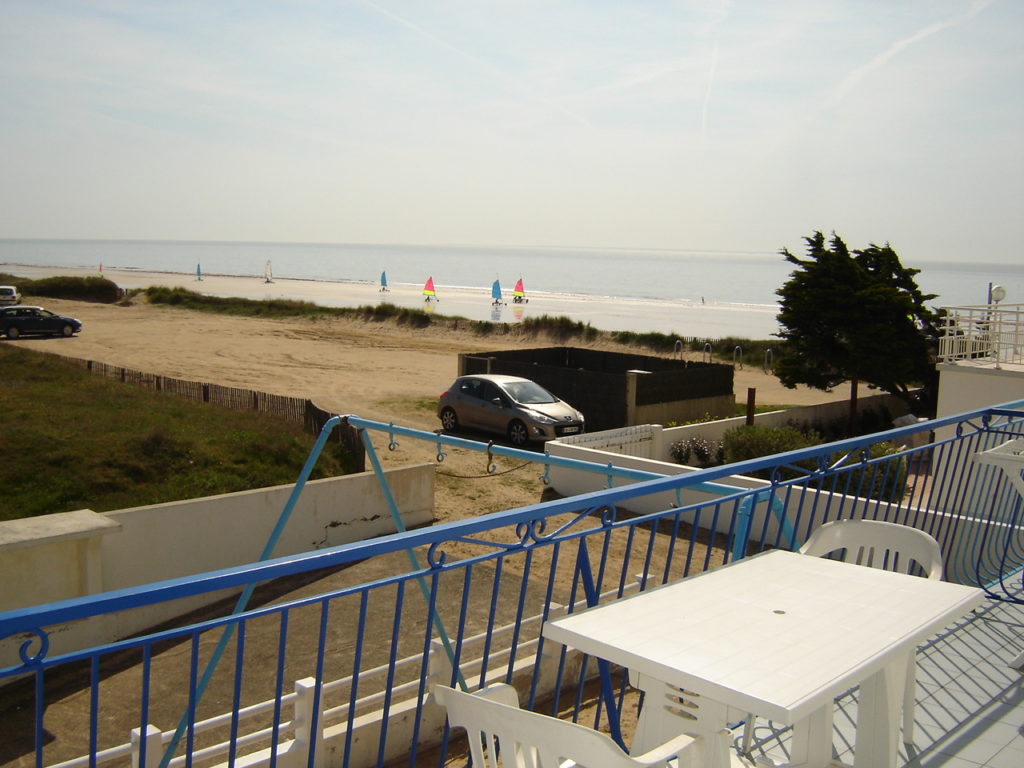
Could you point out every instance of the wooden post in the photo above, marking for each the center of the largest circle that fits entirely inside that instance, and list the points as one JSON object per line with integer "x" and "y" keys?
{"x": 631, "y": 405}
{"x": 751, "y": 398}
{"x": 851, "y": 424}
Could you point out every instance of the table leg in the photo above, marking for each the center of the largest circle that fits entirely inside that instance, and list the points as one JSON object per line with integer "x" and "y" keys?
{"x": 812, "y": 739}
{"x": 878, "y": 715}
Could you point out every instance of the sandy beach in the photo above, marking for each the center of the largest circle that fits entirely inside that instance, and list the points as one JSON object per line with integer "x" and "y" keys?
{"x": 346, "y": 366}
{"x": 684, "y": 318}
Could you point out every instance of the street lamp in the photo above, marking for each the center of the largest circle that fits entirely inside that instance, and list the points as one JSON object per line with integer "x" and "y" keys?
{"x": 996, "y": 294}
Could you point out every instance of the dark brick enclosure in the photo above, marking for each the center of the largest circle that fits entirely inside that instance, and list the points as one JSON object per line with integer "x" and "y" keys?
{"x": 614, "y": 389}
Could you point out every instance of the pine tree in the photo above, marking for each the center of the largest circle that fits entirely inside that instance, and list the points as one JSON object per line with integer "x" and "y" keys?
{"x": 857, "y": 317}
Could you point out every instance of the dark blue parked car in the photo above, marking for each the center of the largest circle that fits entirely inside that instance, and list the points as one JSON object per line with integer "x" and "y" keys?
{"x": 23, "y": 320}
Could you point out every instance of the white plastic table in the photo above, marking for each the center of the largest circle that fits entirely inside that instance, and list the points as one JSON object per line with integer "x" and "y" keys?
{"x": 779, "y": 634}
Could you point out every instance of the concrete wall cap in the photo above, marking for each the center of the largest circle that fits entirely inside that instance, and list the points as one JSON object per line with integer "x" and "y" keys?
{"x": 48, "y": 529}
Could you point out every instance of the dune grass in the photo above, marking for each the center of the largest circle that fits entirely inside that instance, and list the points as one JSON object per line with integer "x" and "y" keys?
{"x": 96, "y": 289}
{"x": 558, "y": 328}
{"x": 73, "y": 440}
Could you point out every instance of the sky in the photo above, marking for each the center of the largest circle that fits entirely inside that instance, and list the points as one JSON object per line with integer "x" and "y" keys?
{"x": 665, "y": 124}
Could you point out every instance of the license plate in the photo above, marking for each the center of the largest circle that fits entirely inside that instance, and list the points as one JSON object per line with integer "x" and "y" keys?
{"x": 570, "y": 430}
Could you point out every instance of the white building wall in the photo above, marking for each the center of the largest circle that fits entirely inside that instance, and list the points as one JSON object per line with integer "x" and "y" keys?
{"x": 60, "y": 557}
{"x": 966, "y": 387}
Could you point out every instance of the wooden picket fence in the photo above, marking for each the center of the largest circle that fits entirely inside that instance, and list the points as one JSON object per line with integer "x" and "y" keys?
{"x": 293, "y": 409}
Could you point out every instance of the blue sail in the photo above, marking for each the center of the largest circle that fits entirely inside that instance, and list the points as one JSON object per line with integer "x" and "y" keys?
{"x": 383, "y": 280}
{"x": 496, "y": 291}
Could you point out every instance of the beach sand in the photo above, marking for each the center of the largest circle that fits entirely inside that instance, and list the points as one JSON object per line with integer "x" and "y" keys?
{"x": 684, "y": 318}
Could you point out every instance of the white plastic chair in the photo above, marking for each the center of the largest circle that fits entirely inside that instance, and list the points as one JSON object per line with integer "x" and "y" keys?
{"x": 876, "y": 544}
{"x": 502, "y": 734}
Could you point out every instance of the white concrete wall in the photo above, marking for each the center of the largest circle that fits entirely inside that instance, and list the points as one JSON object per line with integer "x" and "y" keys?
{"x": 132, "y": 547}
{"x": 52, "y": 557}
{"x": 571, "y": 482}
{"x": 163, "y": 540}
{"x": 808, "y": 415}
{"x": 966, "y": 387}
{"x": 653, "y": 441}
{"x": 568, "y": 482}
{"x": 684, "y": 410}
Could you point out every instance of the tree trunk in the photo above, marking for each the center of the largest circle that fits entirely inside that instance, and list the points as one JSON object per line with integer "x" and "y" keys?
{"x": 851, "y": 423}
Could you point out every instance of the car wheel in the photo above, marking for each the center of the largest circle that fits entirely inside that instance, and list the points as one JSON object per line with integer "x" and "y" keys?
{"x": 449, "y": 420}
{"x": 517, "y": 433}
{"x": 13, "y": 333}
{"x": 67, "y": 330}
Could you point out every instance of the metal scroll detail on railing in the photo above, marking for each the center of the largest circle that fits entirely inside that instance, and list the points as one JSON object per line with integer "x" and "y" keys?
{"x": 31, "y": 659}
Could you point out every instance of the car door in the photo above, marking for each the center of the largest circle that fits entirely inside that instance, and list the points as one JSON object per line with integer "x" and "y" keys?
{"x": 38, "y": 321}
{"x": 494, "y": 410}
{"x": 469, "y": 405}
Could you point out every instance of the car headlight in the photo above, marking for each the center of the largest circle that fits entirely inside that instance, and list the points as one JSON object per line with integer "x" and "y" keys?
{"x": 539, "y": 417}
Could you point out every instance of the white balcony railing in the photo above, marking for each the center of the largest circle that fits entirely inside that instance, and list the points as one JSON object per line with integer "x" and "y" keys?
{"x": 985, "y": 334}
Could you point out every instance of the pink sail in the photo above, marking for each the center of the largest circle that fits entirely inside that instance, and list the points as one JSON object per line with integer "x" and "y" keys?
{"x": 518, "y": 294}
{"x": 428, "y": 288}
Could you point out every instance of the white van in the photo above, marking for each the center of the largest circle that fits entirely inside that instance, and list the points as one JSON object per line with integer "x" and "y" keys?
{"x": 9, "y": 295}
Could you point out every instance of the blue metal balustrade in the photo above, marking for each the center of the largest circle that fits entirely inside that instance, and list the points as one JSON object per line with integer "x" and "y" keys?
{"x": 335, "y": 671}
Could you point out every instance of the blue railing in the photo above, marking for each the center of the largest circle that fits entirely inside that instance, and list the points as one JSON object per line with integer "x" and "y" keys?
{"x": 336, "y": 672}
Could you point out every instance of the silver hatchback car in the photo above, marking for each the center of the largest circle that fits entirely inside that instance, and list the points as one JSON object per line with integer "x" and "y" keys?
{"x": 9, "y": 294}
{"x": 520, "y": 409}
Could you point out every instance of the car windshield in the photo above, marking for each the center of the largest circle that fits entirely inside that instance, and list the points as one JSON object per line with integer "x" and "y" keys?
{"x": 528, "y": 393}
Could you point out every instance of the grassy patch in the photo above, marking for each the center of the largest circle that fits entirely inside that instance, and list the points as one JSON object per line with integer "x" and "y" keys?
{"x": 424, "y": 404}
{"x": 741, "y": 408}
{"x": 74, "y": 440}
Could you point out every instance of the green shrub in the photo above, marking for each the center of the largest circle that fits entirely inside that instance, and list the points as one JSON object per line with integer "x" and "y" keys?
{"x": 95, "y": 289}
{"x": 867, "y": 422}
{"x": 559, "y": 327}
{"x": 886, "y": 481}
{"x": 753, "y": 442}
{"x": 705, "y": 453}
{"x": 680, "y": 451}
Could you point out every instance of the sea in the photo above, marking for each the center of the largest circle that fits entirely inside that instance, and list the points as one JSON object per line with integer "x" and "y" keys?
{"x": 730, "y": 281}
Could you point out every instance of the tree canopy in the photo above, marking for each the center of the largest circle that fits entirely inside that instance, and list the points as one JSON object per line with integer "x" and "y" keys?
{"x": 854, "y": 316}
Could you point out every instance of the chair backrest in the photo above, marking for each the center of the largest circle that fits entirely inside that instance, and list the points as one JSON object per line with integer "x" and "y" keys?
{"x": 527, "y": 739}
{"x": 878, "y": 544}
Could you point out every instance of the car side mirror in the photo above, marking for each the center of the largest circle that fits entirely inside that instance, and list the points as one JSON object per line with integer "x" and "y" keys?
{"x": 498, "y": 402}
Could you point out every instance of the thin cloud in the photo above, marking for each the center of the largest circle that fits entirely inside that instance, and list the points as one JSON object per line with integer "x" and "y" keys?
{"x": 716, "y": 24}
{"x": 518, "y": 84}
{"x": 852, "y": 80}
